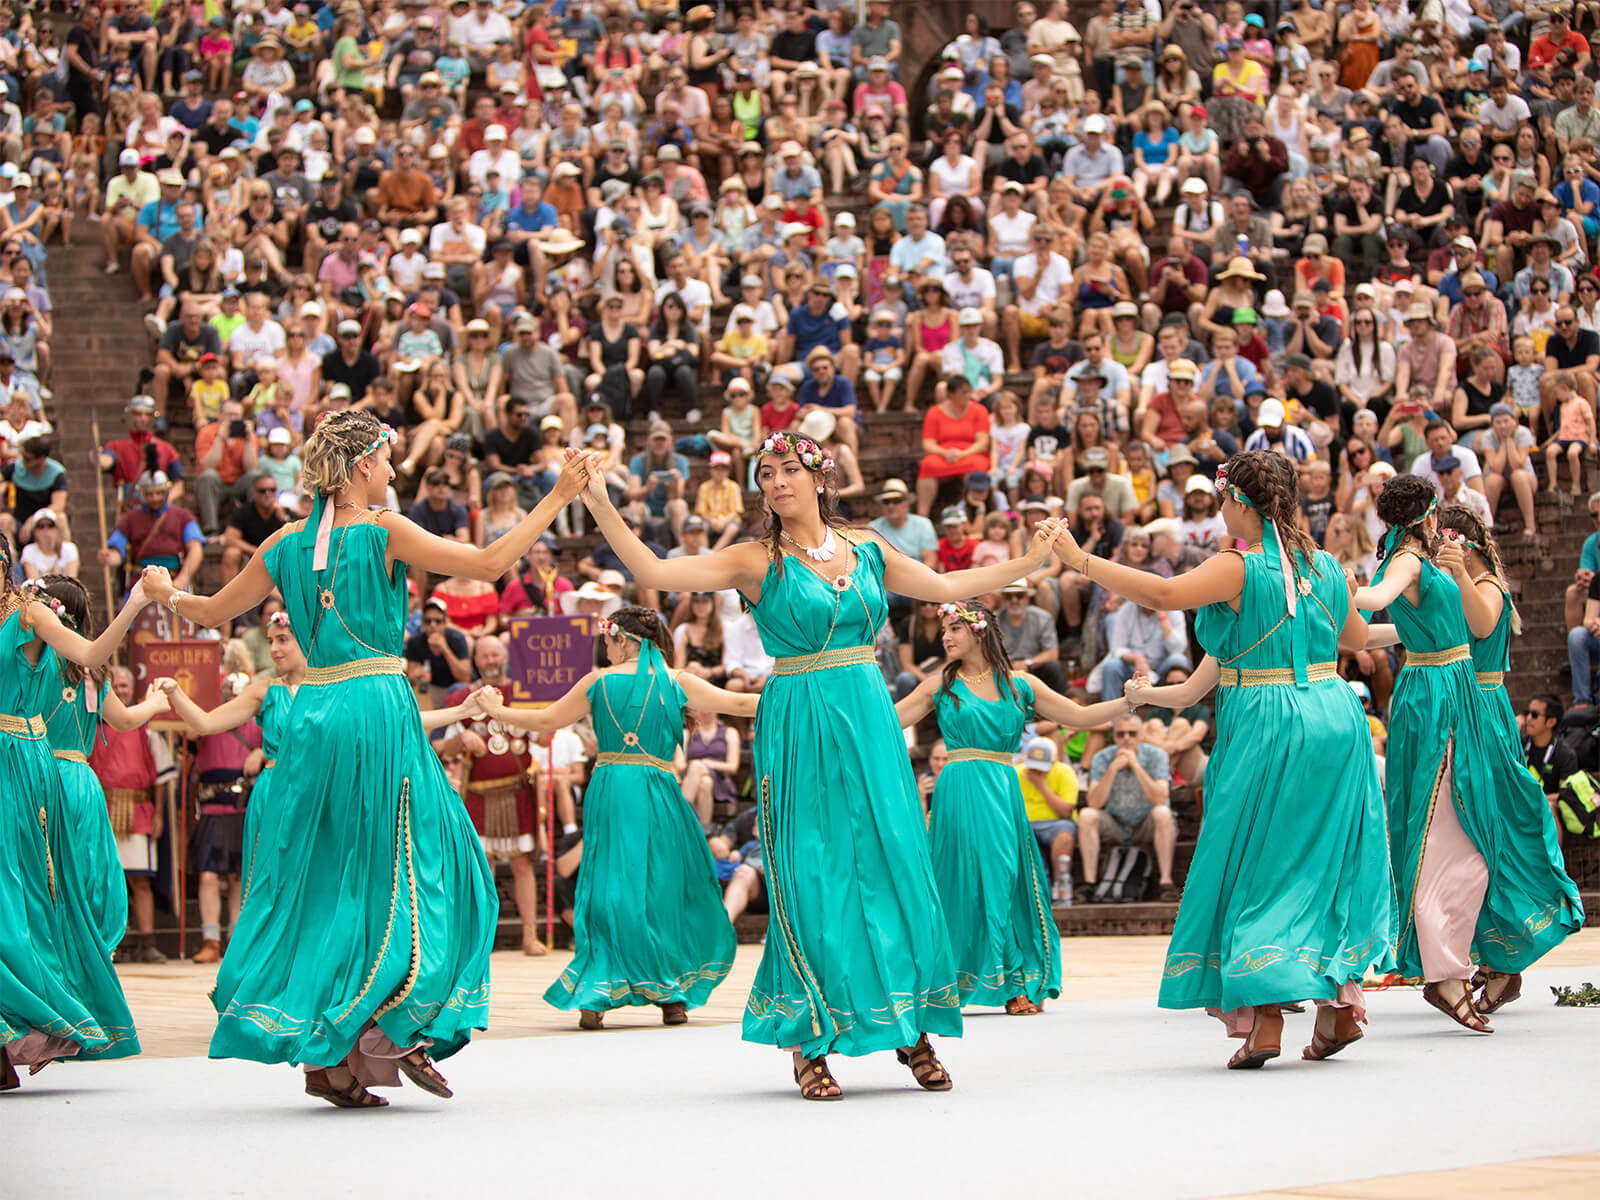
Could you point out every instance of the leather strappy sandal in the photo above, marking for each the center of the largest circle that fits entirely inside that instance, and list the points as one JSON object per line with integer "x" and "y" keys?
{"x": 1492, "y": 1000}
{"x": 1021, "y": 1006}
{"x": 676, "y": 1013}
{"x": 1346, "y": 1029}
{"x": 319, "y": 1083}
{"x": 1461, "y": 1011}
{"x": 590, "y": 1018}
{"x": 1257, "y": 1050}
{"x": 815, "y": 1079}
{"x": 925, "y": 1066}
{"x": 419, "y": 1069}
{"x": 8, "y": 1074}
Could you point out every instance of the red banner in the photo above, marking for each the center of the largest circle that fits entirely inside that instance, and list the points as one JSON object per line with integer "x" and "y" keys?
{"x": 196, "y": 665}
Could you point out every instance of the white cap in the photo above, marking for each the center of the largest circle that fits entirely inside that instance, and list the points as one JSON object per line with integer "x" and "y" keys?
{"x": 410, "y": 235}
{"x": 742, "y": 312}
{"x": 1095, "y": 124}
{"x": 1194, "y": 185}
{"x": 1270, "y": 414}
{"x": 280, "y": 437}
{"x": 364, "y": 136}
{"x": 128, "y": 158}
{"x": 845, "y": 218}
{"x": 495, "y": 133}
{"x": 970, "y": 316}
{"x": 312, "y": 308}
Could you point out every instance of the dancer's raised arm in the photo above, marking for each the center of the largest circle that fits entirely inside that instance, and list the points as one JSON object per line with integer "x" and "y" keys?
{"x": 123, "y": 717}
{"x": 228, "y": 715}
{"x": 438, "y": 718}
{"x": 909, "y": 577}
{"x": 55, "y": 633}
{"x": 1218, "y": 579}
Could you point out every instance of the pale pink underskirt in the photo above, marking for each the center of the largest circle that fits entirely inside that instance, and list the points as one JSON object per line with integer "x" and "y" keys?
{"x": 1238, "y": 1021}
{"x": 372, "y": 1060}
{"x": 1451, "y": 884}
{"x": 36, "y": 1048}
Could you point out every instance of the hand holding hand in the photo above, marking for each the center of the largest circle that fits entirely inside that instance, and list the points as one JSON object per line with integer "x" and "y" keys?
{"x": 1067, "y": 548}
{"x": 155, "y": 585}
{"x": 1137, "y": 690}
{"x": 1450, "y": 557}
{"x": 165, "y": 685}
{"x": 574, "y": 475}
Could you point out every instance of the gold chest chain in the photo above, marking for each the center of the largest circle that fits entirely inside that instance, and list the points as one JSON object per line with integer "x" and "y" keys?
{"x": 631, "y": 738}
{"x": 841, "y": 583}
{"x": 327, "y": 598}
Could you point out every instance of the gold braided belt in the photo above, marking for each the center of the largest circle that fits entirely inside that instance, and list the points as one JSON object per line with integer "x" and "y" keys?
{"x": 76, "y": 756}
{"x": 357, "y": 669}
{"x": 23, "y": 727}
{"x": 1262, "y": 676}
{"x": 801, "y": 664}
{"x": 975, "y": 755}
{"x": 1437, "y": 658}
{"x": 634, "y": 758}
{"x": 1491, "y": 679}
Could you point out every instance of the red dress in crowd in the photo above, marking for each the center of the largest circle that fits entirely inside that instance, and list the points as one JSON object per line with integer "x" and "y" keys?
{"x": 955, "y": 432}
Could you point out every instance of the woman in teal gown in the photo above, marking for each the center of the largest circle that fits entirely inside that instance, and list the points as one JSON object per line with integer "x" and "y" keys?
{"x": 72, "y": 722}
{"x": 1288, "y": 897}
{"x": 59, "y": 994}
{"x": 364, "y": 952}
{"x": 1470, "y": 891}
{"x": 992, "y": 884}
{"x": 648, "y": 918}
{"x": 1525, "y": 820}
{"x": 857, "y": 957}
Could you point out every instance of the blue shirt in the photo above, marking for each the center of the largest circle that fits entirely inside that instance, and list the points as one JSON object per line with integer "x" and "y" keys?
{"x": 191, "y": 117}
{"x": 656, "y": 498}
{"x": 543, "y": 216}
{"x": 810, "y": 331}
{"x": 160, "y": 218}
{"x": 1247, "y": 376}
{"x": 1588, "y": 192}
{"x": 1589, "y": 559}
{"x": 841, "y": 395}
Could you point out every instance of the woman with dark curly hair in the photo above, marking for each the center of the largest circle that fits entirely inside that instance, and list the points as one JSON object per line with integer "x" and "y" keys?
{"x": 1469, "y": 892}
{"x": 995, "y": 891}
{"x": 1288, "y": 897}
{"x": 858, "y": 958}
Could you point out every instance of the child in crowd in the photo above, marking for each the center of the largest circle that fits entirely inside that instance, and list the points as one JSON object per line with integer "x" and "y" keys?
{"x": 1316, "y": 498}
{"x": 741, "y": 352}
{"x": 453, "y": 69}
{"x": 955, "y": 547}
{"x": 265, "y": 393}
{"x": 216, "y": 55}
{"x": 1141, "y": 473}
{"x": 996, "y": 544}
{"x": 1008, "y": 439}
{"x": 209, "y": 391}
{"x": 780, "y": 411}
{"x": 1522, "y": 379}
{"x": 281, "y": 462}
{"x": 719, "y": 502}
{"x": 741, "y": 430}
{"x": 883, "y": 360}
{"x": 844, "y": 246}
{"x": 1575, "y": 431}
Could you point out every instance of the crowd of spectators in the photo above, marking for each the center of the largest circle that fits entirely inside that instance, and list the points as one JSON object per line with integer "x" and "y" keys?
{"x": 1094, "y": 260}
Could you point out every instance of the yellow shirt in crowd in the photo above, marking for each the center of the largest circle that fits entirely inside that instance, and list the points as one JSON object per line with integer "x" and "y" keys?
{"x": 208, "y": 396}
{"x": 1060, "y": 779}
{"x": 719, "y": 503}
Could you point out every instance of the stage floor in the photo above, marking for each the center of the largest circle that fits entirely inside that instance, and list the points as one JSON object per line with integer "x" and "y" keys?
{"x": 1103, "y": 1095}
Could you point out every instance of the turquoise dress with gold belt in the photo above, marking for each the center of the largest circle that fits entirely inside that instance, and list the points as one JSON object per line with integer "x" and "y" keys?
{"x": 273, "y": 718}
{"x": 648, "y": 917}
{"x": 56, "y": 976}
{"x": 91, "y": 860}
{"x": 370, "y": 899}
{"x": 985, "y": 859}
{"x": 1289, "y": 896}
{"x": 1530, "y": 904}
{"x": 858, "y": 954}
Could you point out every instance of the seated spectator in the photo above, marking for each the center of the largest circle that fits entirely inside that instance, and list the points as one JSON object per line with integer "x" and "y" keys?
{"x": 471, "y": 605}
{"x": 1550, "y": 758}
{"x": 226, "y": 452}
{"x": 38, "y": 482}
{"x": 697, "y": 637}
{"x": 710, "y": 758}
{"x": 438, "y": 657}
{"x": 1115, "y": 490}
{"x": 656, "y": 483}
{"x": 437, "y": 512}
{"x": 1141, "y": 641}
{"x": 674, "y": 356}
{"x": 1129, "y": 782}
{"x": 1506, "y": 450}
{"x": 719, "y": 501}
{"x": 156, "y": 533}
{"x": 1029, "y": 634}
{"x": 48, "y": 552}
{"x": 749, "y": 665}
{"x": 955, "y": 441}
{"x": 255, "y": 519}
{"x": 1050, "y": 798}
{"x": 1180, "y": 735}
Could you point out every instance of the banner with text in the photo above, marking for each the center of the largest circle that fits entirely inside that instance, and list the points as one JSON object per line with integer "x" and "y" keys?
{"x": 547, "y": 656}
{"x": 196, "y": 665}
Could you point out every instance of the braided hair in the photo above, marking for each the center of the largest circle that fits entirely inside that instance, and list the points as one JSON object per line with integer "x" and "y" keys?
{"x": 1271, "y": 483}
{"x": 78, "y": 612}
{"x": 646, "y": 625}
{"x": 995, "y": 654}
{"x": 331, "y": 450}
{"x": 10, "y": 597}
{"x": 1464, "y": 521}
{"x": 1403, "y": 505}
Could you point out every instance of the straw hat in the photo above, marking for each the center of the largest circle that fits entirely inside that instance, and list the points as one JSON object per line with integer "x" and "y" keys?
{"x": 1240, "y": 268}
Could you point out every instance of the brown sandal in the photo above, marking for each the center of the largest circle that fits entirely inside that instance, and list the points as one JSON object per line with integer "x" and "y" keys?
{"x": 1021, "y": 1006}
{"x": 352, "y": 1095}
{"x": 8, "y": 1074}
{"x": 1492, "y": 1001}
{"x": 1346, "y": 1029}
{"x": 589, "y": 1018}
{"x": 816, "y": 1079}
{"x": 925, "y": 1066}
{"x": 419, "y": 1068}
{"x": 676, "y": 1013}
{"x": 1257, "y": 1051}
{"x": 1462, "y": 1011}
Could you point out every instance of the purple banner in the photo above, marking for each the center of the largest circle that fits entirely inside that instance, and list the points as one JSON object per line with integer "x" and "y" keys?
{"x": 548, "y": 655}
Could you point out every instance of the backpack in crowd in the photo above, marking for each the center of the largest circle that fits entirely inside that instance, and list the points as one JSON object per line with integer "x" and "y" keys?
{"x": 1125, "y": 877}
{"x": 1578, "y": 804}
{"x": 1579, "y": 728}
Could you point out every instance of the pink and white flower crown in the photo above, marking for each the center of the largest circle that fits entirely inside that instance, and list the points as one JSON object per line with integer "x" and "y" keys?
{"x": 975, "y": 618}
{"x": 33, "y": 589}
{"x": 812, "y": 456}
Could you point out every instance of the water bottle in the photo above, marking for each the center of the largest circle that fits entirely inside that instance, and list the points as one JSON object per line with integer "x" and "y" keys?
{"x": 1244, "y": 246}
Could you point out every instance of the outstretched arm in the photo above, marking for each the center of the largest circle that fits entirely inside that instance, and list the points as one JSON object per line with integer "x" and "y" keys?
{"x": 566, "y": 711}
{"x": 229, "y": 715}
{"x": 244, "y": 592}
{"x": 1353, "y": 634}
{"x": 1219, "y": 578}
{"x": 438, "y": 718}
{"x": 1404, "y": 570}
{"x": 912, "y": 578}
{"x": 920, "y": 702}
{"x": 740, "y": 566}
{"x": 1053, "y": 706}
{"x": 70, "y": 645}
{"x": 1202, "y": 680}
{"x": 701, "y": 694}
{"x": 1381, "y": 636}
{"x": 123, "y": 717}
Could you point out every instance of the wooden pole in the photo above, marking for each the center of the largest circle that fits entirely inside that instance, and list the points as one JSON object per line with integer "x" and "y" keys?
{"x": 100, "y": 507}
{"x": 177, "y": 749}
{"x": 550, "y": 842}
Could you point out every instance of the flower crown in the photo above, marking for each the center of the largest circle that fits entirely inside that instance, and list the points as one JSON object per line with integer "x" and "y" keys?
{"x": 388, "y": 436}
{"x": 278, "y": 620}
{"x": 1221, "y": 485}
{"x": 33, "y": 589}
{"x": 611, "y": 628}
{"x": 977, "y": 619}
{"x": 812, "y": 456}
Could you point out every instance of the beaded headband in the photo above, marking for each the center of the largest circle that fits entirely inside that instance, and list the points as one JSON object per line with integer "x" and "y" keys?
{"x": 388, "y": 436}
{"x": 812, "y": 456}
{"x": 976, "y": 619}
{"x": 33, "y": 589}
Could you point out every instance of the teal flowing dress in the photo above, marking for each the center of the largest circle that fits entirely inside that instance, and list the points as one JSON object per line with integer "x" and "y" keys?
{"x": 370, "y": 898}
{"x": 56, "y": 976}
{"x": 648, "y": 917}
{"x": 1289, "y": 896}
{"x": 91, "y": 862}
{"x": 858, "y": 955}
{"x": 985, "y": 859}
{"x": 273, "y": 718}
{"x": 1525, "y": 820}
{"x": 1530, "y": 904}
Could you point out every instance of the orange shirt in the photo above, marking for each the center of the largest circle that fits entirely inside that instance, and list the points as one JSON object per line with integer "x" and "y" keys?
{"x": 407, "y": 192}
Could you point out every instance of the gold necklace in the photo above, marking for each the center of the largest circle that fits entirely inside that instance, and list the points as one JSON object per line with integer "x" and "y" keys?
{"x": 976, "y": 677}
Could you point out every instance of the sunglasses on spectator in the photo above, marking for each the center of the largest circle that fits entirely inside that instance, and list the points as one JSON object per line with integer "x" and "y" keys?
{"x": 1565, "y": 324}
{"x": 1125, "y": 733}
{"x": 1539, "y": 291}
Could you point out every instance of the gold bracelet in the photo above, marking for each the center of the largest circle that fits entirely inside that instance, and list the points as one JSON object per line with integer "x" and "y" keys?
{"x": 1084, "y": 568}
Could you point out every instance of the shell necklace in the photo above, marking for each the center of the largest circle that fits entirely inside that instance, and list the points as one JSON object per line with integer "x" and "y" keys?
{"x": 823, "y": 553}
